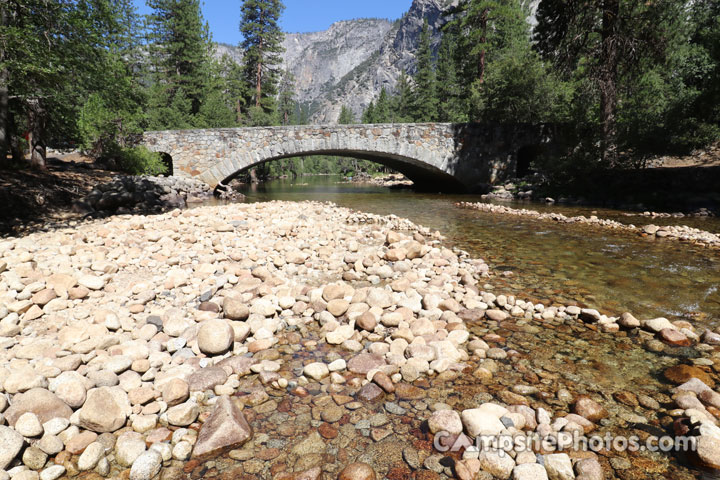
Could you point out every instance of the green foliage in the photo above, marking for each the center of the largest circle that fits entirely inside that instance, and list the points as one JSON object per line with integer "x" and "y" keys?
{"x": 424, "y": 104}
{"x": 346, "y": 116}
{"x": 262, "y": 47}
{"x": 138, "y": 161}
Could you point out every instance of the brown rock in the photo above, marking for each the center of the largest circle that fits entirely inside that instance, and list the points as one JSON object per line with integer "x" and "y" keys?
{"x": 679, "y": 374}
{"x": 235, "y": 309}
{"x": 78, "y": 293}
{"x": 357, "y": 471}
{"x": 327, "y": 431}
{"x": 674, "y": 337}
{"x": 384, "y": 382}
{"x": 175, "y": 392}
{"x": 43, "y": 403}
{"x": 366, "y": 321}
{"x": 43, "y": 296}
{"x": 337, "y": 307}
{"x": 627, "y": 398}
{"x": 370, "y": 393}
{"x": 365, "y": 362}
{"x": 405, "y": 391}
{"x": 225, "y": 429}
{"x": 588, "y": 408}
{"x": 209, "y": 307}
{"x": 207, "y": 378}
{"x": 77, "y": 444}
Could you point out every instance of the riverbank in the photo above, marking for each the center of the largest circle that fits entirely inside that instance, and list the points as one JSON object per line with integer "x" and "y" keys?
{"x": 304, "y": 343}
{"x": 674, "y": 232}
{"x": 74, "y": 187}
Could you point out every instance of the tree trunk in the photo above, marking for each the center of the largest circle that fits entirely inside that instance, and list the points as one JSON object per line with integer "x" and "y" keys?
{"x": 4, "y": 78}
{"x": 258, "y": 80}
{"x": 36, "y": 125}
{"x": 483, "y": 39}
{"x": 608, "y": 82}
{"x": 238, "y": 111}
{"x": 254, "y": 176}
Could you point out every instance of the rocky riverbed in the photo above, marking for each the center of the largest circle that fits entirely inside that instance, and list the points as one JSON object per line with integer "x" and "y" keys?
{"x": 307, "y": 341}
{"x": 676, "y": 232}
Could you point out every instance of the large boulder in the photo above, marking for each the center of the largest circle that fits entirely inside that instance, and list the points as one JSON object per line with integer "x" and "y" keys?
{"x": 43, "y": 403}
{"x": 225, "y": 428}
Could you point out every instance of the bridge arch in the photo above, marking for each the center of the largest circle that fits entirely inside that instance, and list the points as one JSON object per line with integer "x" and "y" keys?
{"x": 436, "y": 156}
{"x": 423, "y": 176}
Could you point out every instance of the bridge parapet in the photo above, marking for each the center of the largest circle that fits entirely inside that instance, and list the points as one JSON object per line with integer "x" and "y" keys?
{"x": 437, "y": 155}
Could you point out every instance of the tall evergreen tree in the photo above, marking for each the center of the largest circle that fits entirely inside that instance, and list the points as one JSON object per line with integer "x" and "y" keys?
{"x": 403, "y": 99}
{"x": 383, "y": 112}
{"x": 425, "y": 101}
{"x": 181, "y": 51}
{"x": 450, "y": 104}
{"x": 607, "y": 47}
{"x": 286, "y": 98}
{"x": 262, "y": 46}
{"x": 368, "y": 115}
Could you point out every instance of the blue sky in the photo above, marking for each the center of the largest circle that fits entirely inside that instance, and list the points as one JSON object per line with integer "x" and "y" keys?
{"x": 299, "y": 15}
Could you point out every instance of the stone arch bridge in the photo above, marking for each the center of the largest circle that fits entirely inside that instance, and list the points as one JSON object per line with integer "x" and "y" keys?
{"x": 435, "y": 156}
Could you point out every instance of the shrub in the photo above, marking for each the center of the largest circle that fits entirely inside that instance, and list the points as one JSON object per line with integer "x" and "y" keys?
{"x": 140, "y": 161}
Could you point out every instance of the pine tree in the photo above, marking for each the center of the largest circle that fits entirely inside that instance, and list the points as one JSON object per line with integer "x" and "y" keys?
{"x": 402, "y": 101}
{"x": 346, "y": 116}
{"x": 181, "y": 50}
{"x": 262, "y": 46}
{"x": 382, "y": 111}
{"x": 450, "y": 104}
{"x": 425, "y": 102}
{"x": 609, "y": 48}
{"x": 286, "y": 99}
{"x": 368, "y": 116}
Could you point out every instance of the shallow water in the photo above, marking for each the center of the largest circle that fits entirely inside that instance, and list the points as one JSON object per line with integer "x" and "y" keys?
{"x": 590, "y": 266}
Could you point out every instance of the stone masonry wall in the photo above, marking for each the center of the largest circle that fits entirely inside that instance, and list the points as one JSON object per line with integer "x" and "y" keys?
{"x": 434, "y": 153}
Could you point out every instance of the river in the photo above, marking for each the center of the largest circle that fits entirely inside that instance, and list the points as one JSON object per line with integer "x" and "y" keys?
{"x": 598, "y": 268}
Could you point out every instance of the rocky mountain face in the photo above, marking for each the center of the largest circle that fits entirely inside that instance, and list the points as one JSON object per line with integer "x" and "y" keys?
{"x": 351, "y": 62}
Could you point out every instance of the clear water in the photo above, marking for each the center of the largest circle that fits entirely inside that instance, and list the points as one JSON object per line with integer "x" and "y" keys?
{"x": 590, "y": 266}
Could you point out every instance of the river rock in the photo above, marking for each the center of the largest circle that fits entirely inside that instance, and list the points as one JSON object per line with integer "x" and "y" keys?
{"x": 445, "y": 421}
{"x": 679, "y": 374}
{"x": 316, "y": 370}
{"x": 215, "y": 336}
{"x": 105, "y": 410}
{"x": 357, "y": 471}
{"x": 206, "y": 379}
{"x": 91, "y": 282}
{"x": 91, "y": 456}
{"x": 175, "y": 392}
{"x": 674, "y": 337}
{"x": 498, "y": 464}
{"x": 225, "y": 428}
{"x": 11, "y": 442}
{"x": 529, "y": 471}
{"x": 128, "y": 447}
{"x": 589, "y": 408}
{"x": 146, "y": 466}
{"x": 478, "y": 421}
{"x": 184, "y": 414}
{"x": 365, "y": 362}
{"x": 28, "y": 425}
{"x": 559, "y": 467}
{"x": 235, "y": 309}
{"x": 43, "y": 403}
